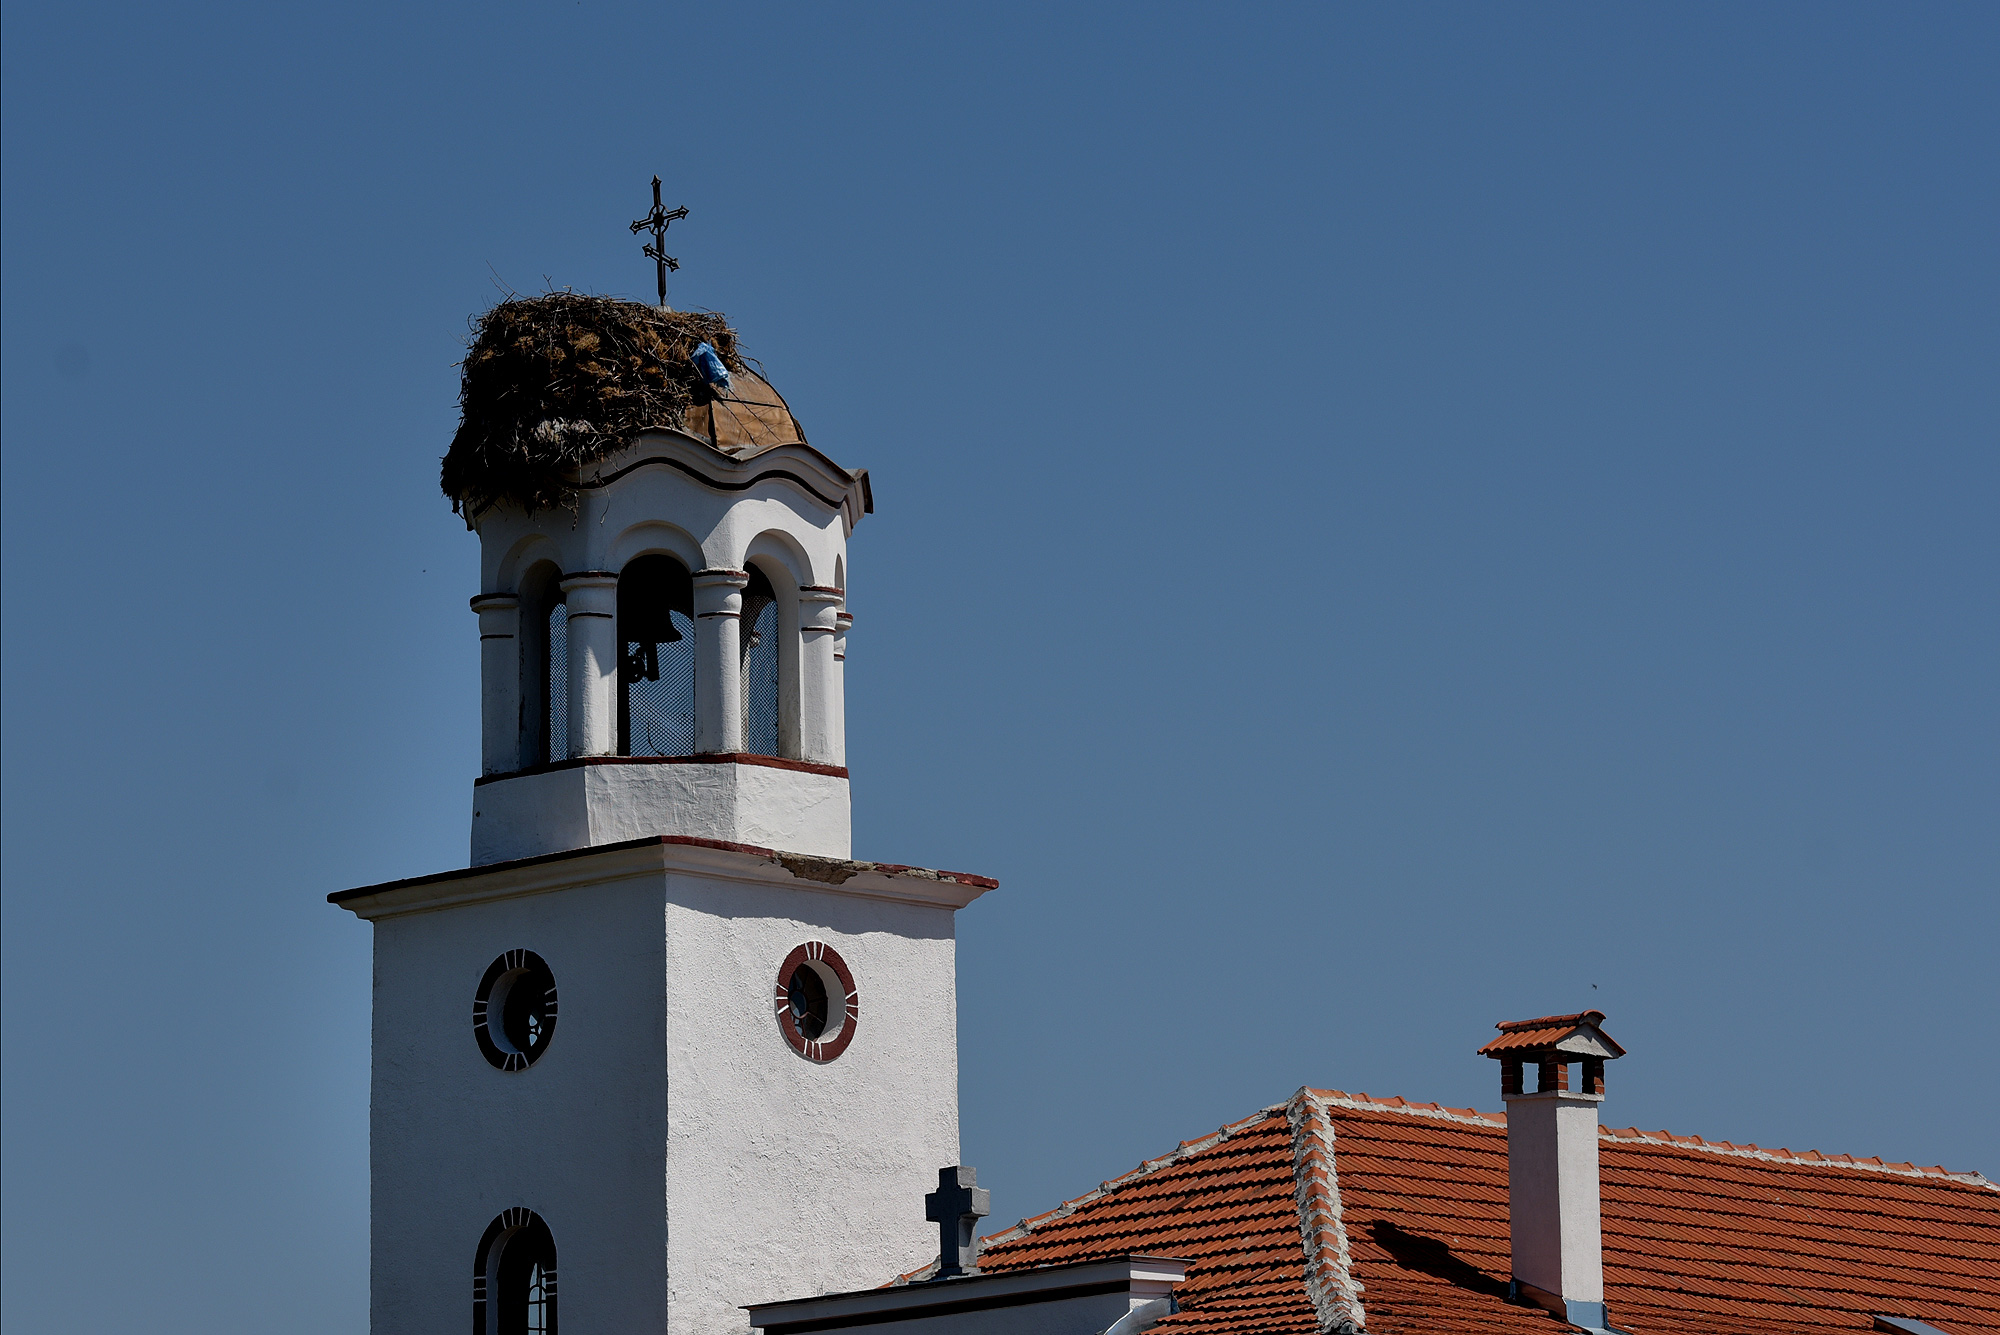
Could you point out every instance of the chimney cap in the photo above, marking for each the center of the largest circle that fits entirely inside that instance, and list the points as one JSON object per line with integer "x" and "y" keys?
{"x": 1575, "y": 1036}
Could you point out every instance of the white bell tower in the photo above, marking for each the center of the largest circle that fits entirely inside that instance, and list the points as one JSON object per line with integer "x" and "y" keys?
{"x": 663, "y": 1049}
{"x": 726, "y": 723}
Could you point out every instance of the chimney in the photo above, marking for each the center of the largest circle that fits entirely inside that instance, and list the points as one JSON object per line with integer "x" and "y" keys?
{"x": 1552, "y": 1205}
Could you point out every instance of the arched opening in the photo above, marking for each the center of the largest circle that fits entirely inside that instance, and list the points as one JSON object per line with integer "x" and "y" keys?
{"x": 514, "y": 1277}
{"x": 544, "y": 641}
{"x": 761, "y": 665}
{"x": 656, "y": 709}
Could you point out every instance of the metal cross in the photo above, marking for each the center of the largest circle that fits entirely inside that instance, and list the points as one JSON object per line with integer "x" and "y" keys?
{"x": 955, "y": 1207}
{"x": 656, "y": 250}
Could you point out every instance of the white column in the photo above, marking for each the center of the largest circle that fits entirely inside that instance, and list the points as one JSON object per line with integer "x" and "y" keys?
{"x": 841, "y": 622}
{"x": 819, "y": 611}
{"x": 718, "y": 662}
{"x": 592, "y": 596}
{"x": 1552, "y": 1206}
{"x": 499, "y": 682}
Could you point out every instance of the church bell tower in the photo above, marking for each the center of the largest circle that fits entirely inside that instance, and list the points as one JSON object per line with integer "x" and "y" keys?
{"x": 663, "y": 1049}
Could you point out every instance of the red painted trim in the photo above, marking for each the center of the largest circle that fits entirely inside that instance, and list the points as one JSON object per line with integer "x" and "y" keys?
{"x": 705, "y": 758}
{"x": 820, "y": 588}
{"x": 812, "y": 1049}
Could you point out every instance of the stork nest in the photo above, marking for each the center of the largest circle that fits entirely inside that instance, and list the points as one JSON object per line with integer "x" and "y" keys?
{"x": 555, "y": 383}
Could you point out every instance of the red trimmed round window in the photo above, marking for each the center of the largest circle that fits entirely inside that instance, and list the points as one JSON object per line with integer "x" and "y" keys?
{"x": 817, "y": 1005}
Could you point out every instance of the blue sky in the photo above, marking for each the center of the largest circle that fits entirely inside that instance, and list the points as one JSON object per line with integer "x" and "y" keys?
{"x": 1389, "y": 519}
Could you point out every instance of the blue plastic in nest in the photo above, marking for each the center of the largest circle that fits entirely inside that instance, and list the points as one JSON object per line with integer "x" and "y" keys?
{"x": 711, "y": 367}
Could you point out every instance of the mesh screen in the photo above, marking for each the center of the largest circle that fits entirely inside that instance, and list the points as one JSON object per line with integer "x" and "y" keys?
{"x": 760, "y": 683}
{"x": 557, "y": 690}
{"x": 659, "y": 694}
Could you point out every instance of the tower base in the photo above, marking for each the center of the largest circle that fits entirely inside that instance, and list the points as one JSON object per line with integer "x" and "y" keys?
{"x": 739, "y": 799}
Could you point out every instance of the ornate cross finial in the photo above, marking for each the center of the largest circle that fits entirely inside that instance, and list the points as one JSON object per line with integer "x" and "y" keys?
{"x": 956, "y": 1207}
{"x": 656, "y": 222}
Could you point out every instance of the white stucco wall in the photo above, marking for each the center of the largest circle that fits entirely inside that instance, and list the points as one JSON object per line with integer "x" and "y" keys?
{"x": 1552, "y": 1198}
{"x": 686, "y": 1159}
{"x": 781, "y": 1171}
{"x": 531, "y": 814}
{"x": 578, "y": 1137}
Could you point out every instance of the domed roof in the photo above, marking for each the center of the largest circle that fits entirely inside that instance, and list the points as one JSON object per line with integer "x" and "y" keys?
{"x": 555, "y": 383}
{"x": 745, "y": 418}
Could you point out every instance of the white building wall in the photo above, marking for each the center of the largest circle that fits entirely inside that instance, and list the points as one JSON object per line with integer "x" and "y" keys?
{"x": 1552, "y": 1194}
{"x": 686, "y": 1159}
{"x": 579, "y": 1137}
{"x": 786, "y": 1175}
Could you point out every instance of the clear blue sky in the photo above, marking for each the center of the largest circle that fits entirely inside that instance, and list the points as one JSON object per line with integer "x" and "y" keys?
{"x": 1389, "y": 519}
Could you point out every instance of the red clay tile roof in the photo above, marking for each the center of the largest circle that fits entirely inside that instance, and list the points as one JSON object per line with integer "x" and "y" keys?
{"x": 1527, "y": 1035}
{"x": 1227, "y": 1202}
{"x": 1393, "y": 1216}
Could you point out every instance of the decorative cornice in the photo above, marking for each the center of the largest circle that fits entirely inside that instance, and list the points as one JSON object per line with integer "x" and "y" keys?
{"x": 652, "y": 856}
{"x": 845, "y": 491}
{"x": 708, "y": 479}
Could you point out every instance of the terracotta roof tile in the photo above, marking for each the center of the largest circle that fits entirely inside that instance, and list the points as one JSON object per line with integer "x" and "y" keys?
{"x": 1529, "y": 1036}
{"x": 1394, "y": 1214}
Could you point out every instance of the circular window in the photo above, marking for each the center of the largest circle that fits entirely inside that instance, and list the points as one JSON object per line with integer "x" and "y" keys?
{"x": 817, "y": 1005}
{"x": 514, "y": 1012}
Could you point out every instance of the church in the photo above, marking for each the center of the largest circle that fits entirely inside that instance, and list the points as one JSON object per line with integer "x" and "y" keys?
{"x": 665, "y": 1057}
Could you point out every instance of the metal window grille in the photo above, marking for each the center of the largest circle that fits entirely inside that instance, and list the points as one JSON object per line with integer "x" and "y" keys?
{"x": 760, "y": 680}
{"x": 514, "y": 1286}
{"x": 539, "y": 1294}
{"x": 556, "y": 688}
{"x": 659, "y": 693}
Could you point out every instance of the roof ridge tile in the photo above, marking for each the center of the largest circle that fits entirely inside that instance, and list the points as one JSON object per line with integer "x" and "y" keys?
{"x": 1811, "y": 1158}
{"x": 1363, "y": 1102}
{"x": 1329, "y": 1268}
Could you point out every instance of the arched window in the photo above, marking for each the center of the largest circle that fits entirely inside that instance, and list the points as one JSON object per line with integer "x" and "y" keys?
{"x": 514, "y": 1277}
{"x": 760, "y": 666}
{"x": 544, "y": 641}
{"x": 655, "y": 658}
